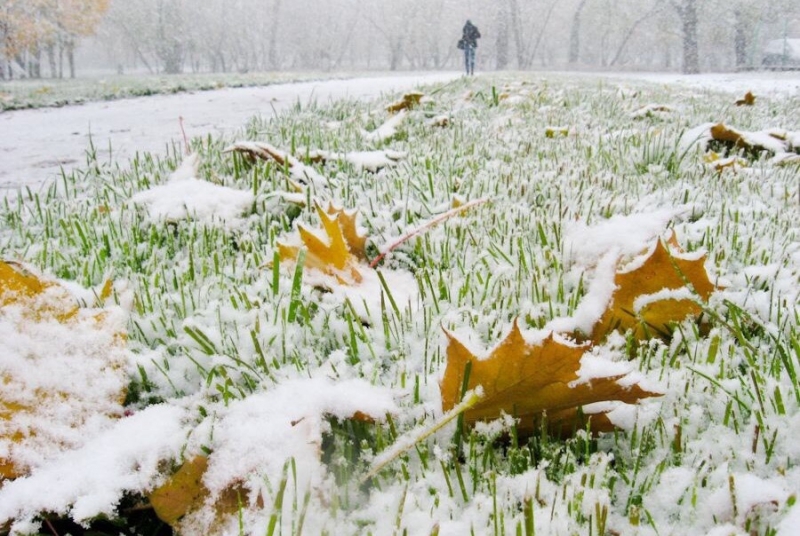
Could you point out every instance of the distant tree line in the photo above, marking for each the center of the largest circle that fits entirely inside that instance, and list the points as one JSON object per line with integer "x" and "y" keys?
{"x": 173, "y": 36}
{"x": 38, "y": 32}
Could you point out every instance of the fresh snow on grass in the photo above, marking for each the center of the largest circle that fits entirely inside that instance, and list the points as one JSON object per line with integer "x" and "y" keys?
{"x": 261, "y": 365}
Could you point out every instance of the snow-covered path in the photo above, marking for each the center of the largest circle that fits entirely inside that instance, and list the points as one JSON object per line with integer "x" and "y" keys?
{"x": 34, "y": 144}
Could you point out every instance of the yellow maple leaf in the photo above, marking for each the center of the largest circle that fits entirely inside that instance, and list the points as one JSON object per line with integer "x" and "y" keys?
{"x": 333, "y": 255}
{"x": 356, "y": 242}
{"x": 39, "y": 299}
{"x": 529, "y": 382}
{"x": 31, "y": 305}
{"x": 184, "y": 493}
{"x": 661, "y": 272}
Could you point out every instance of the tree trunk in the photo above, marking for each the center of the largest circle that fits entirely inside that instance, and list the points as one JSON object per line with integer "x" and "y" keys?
{"x": 71, "y": 57}
{"x": 532, "y": 55}
{"x": 516, "y": 27}
{"x": 687, "y": 11}
{"x": 60, "y": 61}
{"x": 274, "y": 61}
{"x": 501, "y": 45}
{"x": 575, "y": 34}
{"x": 51, "y": 60}
{"x": 740, "y": 40}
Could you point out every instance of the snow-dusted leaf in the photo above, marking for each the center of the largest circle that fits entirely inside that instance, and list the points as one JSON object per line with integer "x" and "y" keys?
{"x": 63, "y": 372}
{"x": 531, "y": 382}
{"x": 654, "y": 292}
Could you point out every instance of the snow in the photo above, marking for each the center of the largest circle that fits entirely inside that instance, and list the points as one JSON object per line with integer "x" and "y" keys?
{"x": 388, "y": 129}
{"x": 87, "y": 368}
{"x": 185, "y": 196}
{"x": 290, "y": 423}
{"x": 625, "y": 235}
{"x": 91, "y": 480}
{"x": 779, "y": 84}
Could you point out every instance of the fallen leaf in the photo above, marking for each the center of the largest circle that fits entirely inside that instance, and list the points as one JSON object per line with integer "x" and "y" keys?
{"x": 39, "y": 299}
{"x": 372, "y": 161}
{"x": 408, "y": 101}
{"x": 751, "y": 142}
{"x": 388, "y": 129}
{"x": 184, "y": 493}
{"x": 90, "y": 341}
{"x": 653, "y": 110}
{"x": 356, "y": 242}
{"x": 334, "y": 254}
{"x": 181, "y": 492}
{"x": 440, "y": 121}
{"x": 529, "y": 382}
{"x": 556, "y": 132}
{"x": 748, "y": 100}
{"x": 720, "y": 164}
{"x": 665, "y": 277}
{"x": 298, "y": 172}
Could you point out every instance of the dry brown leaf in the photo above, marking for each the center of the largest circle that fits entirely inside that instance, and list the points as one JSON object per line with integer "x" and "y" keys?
{"x": 753, "y": 143}
{"x": 333, "y": 254}
{"x": 748, "y": 100}
{"x": 299, "y": 173}
{"x": 529, "y": 382}
{"x": 408, "y": 101}
{"x": 661, "y": 271}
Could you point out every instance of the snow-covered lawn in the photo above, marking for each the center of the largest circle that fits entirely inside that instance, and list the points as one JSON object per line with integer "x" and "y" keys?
{"x": 307, "y": 399}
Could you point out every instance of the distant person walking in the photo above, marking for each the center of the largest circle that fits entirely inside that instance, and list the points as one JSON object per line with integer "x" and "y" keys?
{"x": 468, "y": 43}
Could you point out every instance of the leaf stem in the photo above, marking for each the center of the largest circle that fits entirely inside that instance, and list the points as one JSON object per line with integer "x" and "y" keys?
{"x": 438, "y": 219}
{"x": 408, "y": 440}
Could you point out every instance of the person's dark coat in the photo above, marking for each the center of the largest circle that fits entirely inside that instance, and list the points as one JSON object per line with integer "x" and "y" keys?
{"x": 470, "y": 35}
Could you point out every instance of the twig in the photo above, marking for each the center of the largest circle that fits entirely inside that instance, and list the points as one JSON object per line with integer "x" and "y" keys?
{"x": 185, "y": 138}
{"x": 427, "y": 225}
{"x": 51, "y": 527}
{"x": 410, "y": 439}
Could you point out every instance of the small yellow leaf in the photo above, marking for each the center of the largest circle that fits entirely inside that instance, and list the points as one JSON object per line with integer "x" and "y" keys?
{"x": 40, "y": 299}
{"x": 331, "y": 255}
{"x": 528, "y": 382}
{"x": 748, "y": 100}
{"x": 408, "y": 101}
{"x": 183, "y": 491}
{"x": 356, "y": 242}
{"x": 556, "y": 132}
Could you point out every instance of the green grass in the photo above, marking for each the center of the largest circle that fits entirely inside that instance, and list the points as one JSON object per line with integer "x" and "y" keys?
{"x": 210, "y": 318}
{"x": 46, "y": 92}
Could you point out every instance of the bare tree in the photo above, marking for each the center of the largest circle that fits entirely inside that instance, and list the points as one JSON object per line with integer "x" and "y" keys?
{"x": 632, "y": 29}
